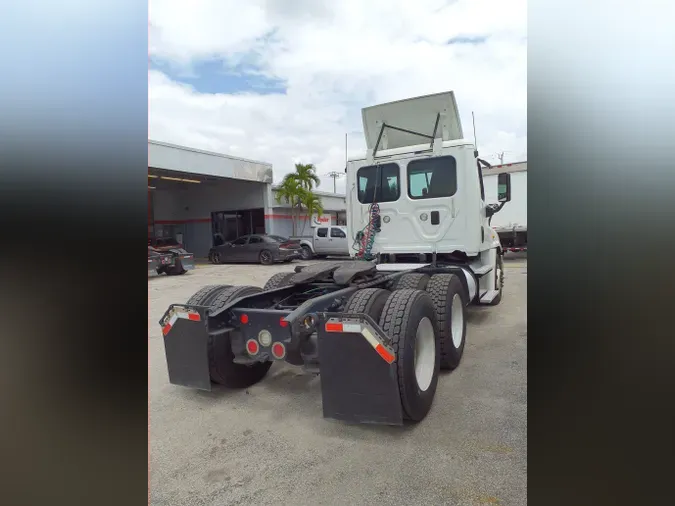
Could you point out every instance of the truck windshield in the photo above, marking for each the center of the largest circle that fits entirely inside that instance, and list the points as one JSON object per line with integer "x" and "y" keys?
{"x": 378, "y": 183}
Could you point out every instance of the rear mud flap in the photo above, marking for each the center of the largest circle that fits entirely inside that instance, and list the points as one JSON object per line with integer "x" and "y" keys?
{"x": 357, "y": 385}
{"x": 185, "y": 345}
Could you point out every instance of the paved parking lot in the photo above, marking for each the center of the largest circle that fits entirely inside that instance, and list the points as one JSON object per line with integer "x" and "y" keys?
{"x": 269, "y": 445}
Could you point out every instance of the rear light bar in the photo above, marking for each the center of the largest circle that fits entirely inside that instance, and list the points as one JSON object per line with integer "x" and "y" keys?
{"x": 386, "y": 353}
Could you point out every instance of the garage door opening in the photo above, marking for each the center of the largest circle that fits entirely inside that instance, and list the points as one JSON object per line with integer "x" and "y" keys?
{"x": 230, "y": 225}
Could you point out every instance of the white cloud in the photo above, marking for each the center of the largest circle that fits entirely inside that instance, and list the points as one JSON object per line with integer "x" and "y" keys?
{"x": 334, "y": 58}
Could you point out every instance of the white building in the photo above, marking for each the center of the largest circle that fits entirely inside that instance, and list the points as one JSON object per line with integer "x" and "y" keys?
{"x": 193, "y": 194}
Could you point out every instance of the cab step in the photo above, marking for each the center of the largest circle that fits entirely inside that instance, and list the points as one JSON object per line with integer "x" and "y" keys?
{"x": 488, "y": 296}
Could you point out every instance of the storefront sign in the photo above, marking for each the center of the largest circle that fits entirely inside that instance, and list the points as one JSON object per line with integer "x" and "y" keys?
{"x": 321, "y": 221}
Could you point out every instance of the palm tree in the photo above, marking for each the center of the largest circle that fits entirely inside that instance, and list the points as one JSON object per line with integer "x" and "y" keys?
{"x": 296, "y": 190}
{"x": 290, "y": 191}
{"x": 305, "y": 173}
{"x": 311, "y": 202}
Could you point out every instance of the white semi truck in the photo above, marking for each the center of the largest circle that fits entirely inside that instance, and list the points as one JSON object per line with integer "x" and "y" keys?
{"x": 510, "y": 223}
{"x": 380, "y": 328}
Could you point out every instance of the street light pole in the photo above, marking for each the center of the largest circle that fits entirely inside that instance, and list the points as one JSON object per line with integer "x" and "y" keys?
{"x": 334, "y": 175}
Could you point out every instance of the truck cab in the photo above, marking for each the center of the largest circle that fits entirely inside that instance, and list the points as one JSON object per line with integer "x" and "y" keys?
{"x": 418, "y": 189}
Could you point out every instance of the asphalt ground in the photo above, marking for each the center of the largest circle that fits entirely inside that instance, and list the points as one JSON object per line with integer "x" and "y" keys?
{"x": 270, "y": 445}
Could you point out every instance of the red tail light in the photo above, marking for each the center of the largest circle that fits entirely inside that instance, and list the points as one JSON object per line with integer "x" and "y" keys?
{"x": 278, "y": 350}
{"x": 252, "y": 347}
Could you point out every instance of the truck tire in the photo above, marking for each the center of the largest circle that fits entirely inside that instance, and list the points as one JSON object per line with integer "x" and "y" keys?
{"x": 415, "y": 280}
{"x": 278, "y": 280}
{"x": 499, "y": 273}
{"x": 205, "y": 296}
{"x": 368, "y": 301}
{"x": 450, "y": 299}
{"x": 222, "y": 368}
{"x": 409, "y": 319}
{"x": 307, "y": 252}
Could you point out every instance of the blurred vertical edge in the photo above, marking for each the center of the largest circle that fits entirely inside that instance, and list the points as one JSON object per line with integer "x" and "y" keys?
{"x": 73, "y": 153}
{"x": 601, "y": 344}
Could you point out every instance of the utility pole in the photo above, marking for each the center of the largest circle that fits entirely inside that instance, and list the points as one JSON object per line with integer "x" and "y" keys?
{"x": 334, "y": 175}
{"x": 501, "y": 158}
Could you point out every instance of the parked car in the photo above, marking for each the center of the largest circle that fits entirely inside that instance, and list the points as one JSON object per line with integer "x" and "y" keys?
{"x": 326, "y": 241}
{"x": 256, "y": 248}
{"x": 170, "y": 256}
{"x": 157, "y": 260}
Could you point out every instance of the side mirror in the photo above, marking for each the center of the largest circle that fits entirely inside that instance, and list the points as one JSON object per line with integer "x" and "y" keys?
{"x": 504, "y": 187}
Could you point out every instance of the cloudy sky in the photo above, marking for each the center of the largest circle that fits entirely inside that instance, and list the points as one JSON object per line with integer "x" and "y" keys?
{"x": 283, "y": 81}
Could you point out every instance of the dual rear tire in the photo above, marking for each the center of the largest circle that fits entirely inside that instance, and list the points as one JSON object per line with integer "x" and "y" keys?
{"x": 450, "y": 300}
{"x": 408, "y": 318}
{"x": 222, "y": 368}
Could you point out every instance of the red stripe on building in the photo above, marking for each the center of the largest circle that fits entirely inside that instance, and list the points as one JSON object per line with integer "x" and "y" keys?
{"x": 283, "y": 217}
{"x": 180, "y": 222}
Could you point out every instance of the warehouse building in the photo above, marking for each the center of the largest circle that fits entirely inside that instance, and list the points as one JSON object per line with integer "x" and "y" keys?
{"x": 194, "y": 194}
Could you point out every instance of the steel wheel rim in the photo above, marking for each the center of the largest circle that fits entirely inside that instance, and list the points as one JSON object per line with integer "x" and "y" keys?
{"x": 456, "y": 320}
{"x": 425, "y": 354}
